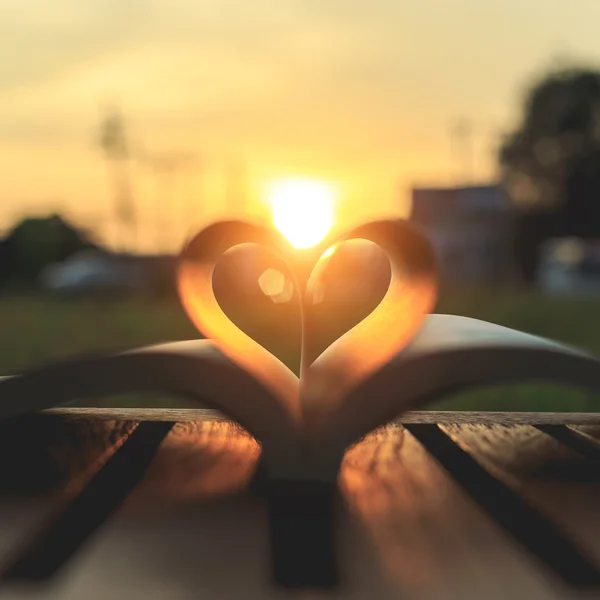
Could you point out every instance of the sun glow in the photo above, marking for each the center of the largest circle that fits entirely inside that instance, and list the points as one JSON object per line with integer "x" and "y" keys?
{"x": 302, "y": 209}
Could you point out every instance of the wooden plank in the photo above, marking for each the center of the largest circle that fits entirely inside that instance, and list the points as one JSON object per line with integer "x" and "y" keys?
{"x": 207, "y": 414}
{"x": 40, "y": 451}
{"x": 48, "y": 446}
{"x": 46, "y": 462}
{"x": 580, "y": 442}
{"x": 433, "y": 540}
{"x": 80, "y": 515}
{"x": 555, "y": 477}
{"x": 139, "y": 414}
{"x": 187, "y": 531}
{"x": 527, "y": 525}
{"x": 200, "y": 461}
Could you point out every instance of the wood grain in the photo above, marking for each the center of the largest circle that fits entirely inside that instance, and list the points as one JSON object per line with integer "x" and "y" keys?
{"x": 407, "y": 529}
{"x": 560, "y": 482}
{"x": 91, "y": 502}
{"x": 207, "y": 414}
{"x": 543, "y": 538}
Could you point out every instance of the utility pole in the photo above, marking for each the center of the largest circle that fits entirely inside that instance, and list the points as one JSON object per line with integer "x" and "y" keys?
{"x": 114, "y": 143}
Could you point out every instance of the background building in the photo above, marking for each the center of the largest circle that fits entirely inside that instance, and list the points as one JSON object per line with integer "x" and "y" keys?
{"x": 471, "y": 229}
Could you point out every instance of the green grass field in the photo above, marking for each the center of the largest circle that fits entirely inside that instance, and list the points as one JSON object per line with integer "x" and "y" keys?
{"x": 37, "y": 329}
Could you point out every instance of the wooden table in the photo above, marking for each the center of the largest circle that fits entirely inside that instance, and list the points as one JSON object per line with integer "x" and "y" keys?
{"x": 438, "y": 505}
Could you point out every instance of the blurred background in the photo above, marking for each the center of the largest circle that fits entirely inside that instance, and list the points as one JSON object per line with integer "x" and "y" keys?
{"x": 126, "y": 126}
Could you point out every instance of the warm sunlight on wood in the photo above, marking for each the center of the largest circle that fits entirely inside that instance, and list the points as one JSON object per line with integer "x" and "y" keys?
{"x": 302, "y": 210}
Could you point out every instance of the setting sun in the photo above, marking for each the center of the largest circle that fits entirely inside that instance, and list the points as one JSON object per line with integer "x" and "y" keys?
{"x": 302, "y": 210}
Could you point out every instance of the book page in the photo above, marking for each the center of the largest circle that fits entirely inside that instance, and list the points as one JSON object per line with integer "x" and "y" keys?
{"x": 355, "y": 356}
{"x": 450, "y": 332}
{"x": 194, "y": 281}
{"x": 195, "y": 369}
{"x": 350, "y": 359}
{"x": 451, "y": 353}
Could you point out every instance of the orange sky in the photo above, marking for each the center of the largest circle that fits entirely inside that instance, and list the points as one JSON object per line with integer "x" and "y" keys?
{"x": 359, "y": 93}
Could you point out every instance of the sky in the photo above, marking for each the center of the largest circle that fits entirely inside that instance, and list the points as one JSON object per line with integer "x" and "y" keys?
{"x": 361, "y": 94}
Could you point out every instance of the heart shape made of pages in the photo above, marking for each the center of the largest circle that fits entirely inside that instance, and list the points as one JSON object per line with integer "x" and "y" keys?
{"x": 349, "y": 360}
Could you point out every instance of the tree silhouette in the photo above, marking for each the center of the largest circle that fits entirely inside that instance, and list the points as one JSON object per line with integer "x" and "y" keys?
{"x": 550, "y": 165}
{"x": 36, "y": 242}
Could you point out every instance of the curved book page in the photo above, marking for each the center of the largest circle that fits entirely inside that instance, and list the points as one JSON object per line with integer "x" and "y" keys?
{"x": 349, "y": 360}
{"x": 353, "y": 358}
{"x": 194, "y": 281}
{"x": 451, "y": 353}
{"x": 196, "y": 369}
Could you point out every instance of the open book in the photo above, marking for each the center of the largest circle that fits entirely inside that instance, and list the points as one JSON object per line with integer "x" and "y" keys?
{"x": 398, "y": 358}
